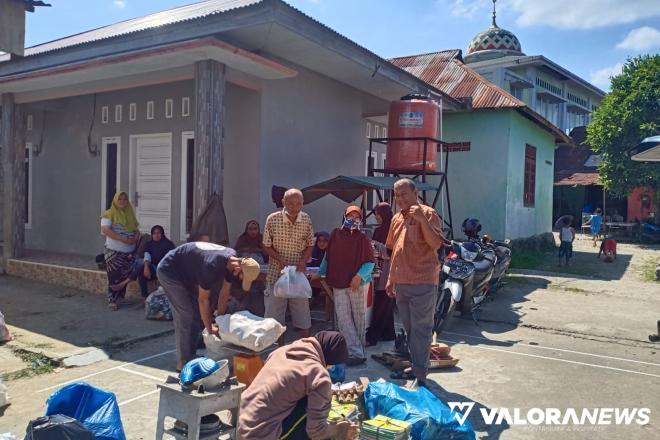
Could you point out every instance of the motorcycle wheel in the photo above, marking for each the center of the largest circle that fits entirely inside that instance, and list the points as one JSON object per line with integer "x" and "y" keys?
{"x": 444, "y": 311}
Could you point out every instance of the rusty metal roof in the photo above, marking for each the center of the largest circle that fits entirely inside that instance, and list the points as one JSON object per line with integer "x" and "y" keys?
{"x": 572, "y": 162}
{"x": 577, "y": 179}
{"x": 446, "y": 71}
{"x": 158, "y": 19}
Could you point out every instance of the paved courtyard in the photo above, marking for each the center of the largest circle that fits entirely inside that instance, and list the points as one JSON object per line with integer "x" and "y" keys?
{"x": 548, "y": 340}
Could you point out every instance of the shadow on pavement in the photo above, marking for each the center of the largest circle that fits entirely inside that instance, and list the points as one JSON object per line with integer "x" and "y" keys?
{"x": 492, "y": 432}
{"x": 501, "y": 313}
{"x": 59, "y": 320}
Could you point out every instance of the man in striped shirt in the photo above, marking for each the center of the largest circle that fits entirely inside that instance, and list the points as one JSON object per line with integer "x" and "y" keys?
{"x": 414, "y": 239}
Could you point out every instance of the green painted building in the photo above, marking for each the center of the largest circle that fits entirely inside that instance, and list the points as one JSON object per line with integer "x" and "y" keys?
{"x": 503, "y": 173}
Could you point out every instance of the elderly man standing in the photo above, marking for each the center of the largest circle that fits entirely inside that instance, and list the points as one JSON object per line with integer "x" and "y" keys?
{"x": 414, "y": 239}
{"x": 288, "y": 241}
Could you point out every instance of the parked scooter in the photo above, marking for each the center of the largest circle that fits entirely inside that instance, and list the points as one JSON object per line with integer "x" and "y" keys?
{"x": 471, "y": 228}
{"x": 503, "y": 254}
{"x": 467, "y": 270}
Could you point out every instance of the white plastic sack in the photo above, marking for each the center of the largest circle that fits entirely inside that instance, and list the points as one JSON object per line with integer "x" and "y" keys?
{"x": 8, "y": 436}
{"x": 4, "y": 396}
{"x": 247, "y": 330}
{"x": 4, "y": 331}
{"x": 292, "y": 284}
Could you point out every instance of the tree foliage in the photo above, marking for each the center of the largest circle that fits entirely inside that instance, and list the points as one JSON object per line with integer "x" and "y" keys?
{"x": 628, "y": 114}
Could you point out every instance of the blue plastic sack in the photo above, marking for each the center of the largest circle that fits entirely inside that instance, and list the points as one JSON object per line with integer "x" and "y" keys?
{"x": 95, "y": 408}
{"x": 337, "y": 373}
{"x": 431, "y": 419}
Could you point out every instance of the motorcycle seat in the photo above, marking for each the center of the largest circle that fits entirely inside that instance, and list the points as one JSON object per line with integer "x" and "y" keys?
{"x": 483, "y": 265}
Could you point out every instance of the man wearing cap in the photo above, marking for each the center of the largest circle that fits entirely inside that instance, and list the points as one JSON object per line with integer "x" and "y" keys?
{"x": 288, "y": 241}
{"x": 188, "y": 274}
{"x": 347, "y": 268}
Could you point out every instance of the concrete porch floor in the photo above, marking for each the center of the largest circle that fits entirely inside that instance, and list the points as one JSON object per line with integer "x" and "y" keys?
{"x": 60, "y": 259}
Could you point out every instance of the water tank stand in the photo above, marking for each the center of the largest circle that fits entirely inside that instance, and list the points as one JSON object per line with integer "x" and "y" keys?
{"x": 422, "y": 175}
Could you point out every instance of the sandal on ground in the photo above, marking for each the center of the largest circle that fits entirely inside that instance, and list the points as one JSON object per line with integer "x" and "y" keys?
{"x": 112, "y": 307}
{"x": 402, "y": 375}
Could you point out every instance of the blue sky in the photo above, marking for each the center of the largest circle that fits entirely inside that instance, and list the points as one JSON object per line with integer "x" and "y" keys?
{"x": 591, "y": 38}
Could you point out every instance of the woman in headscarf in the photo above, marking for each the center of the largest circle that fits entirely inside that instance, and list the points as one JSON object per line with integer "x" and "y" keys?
{"x": 347, "y": 267}
{"x": 154, "y": 251}
{"x": 320, "y": 246}
{"x": 382, "y": 314}
{"x": 120, "y": 227}
{"x": 291, "y": 396}
{"x": 249, "y": 244}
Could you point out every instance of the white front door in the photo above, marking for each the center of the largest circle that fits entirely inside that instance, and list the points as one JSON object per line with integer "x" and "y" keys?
{"x": 153, "y": 177}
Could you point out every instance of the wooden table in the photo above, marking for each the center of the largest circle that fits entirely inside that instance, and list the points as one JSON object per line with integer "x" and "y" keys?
{"x": 627, "y": 227}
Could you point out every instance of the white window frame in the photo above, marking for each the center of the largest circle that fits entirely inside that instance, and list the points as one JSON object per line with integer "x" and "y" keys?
{"x": 185, "y": 106}
{"x": 383, "y": 159}
{"x": 132, "y": 111}
{"x": 374, "y": 156}
{"x": 118, "y": 112}
{"x": 185, "y": 136}
{"x": 169, "y": 108}
{"x": 368, "y": 130}
{"x": 150, "y": 110}
{"x": 28, "y": 221}
{"x": 105, "y": 111}
{"x": 384, "y": 132}
{"x": 29, "y": 123}
{"x": 104, "y": 165}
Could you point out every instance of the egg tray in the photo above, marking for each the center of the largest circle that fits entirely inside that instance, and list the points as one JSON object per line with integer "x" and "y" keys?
{"x": 350, "y": 395}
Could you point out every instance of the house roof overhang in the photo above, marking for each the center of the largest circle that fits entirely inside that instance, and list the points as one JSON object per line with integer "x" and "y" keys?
{"x": 647, "y": 151}
{"x": 269, "y": 29}
{"x": 577, "y": 179}
{"x": 541, "y": 61}
{"x": 160, "y": 64}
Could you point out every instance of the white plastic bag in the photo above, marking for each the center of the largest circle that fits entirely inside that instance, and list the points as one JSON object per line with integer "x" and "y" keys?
{"x": 8, "y": 436}
{"x": 292, "y": 284}
{"x": 4, "y": 331}
{"x": 246, "y": 330}
{"x": 4, "y": 396}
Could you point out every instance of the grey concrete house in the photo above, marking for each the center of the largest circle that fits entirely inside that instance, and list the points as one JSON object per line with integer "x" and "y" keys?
{"x": 226, "y": 96}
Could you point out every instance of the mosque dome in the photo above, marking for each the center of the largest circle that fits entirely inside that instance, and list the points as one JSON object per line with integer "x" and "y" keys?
{"x": 494, "y": 42}
{"x": 495, "y": 38}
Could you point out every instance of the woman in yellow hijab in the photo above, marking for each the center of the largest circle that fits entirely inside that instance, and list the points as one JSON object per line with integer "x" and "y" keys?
{"x": 120, "y": 228}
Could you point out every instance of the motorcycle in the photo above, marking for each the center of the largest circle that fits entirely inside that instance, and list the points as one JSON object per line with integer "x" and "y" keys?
{"x": 471, "y": 228}
{"x": 503, "y": 254}
{"x": 466, "y": 271}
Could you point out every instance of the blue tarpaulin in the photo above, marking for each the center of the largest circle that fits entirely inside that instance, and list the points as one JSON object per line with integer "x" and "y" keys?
{"x": 431, "y": 418}
{"x": 95, "y": 408}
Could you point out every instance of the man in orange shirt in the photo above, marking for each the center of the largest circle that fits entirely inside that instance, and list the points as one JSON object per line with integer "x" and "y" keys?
{"x": 414, "y": 238}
